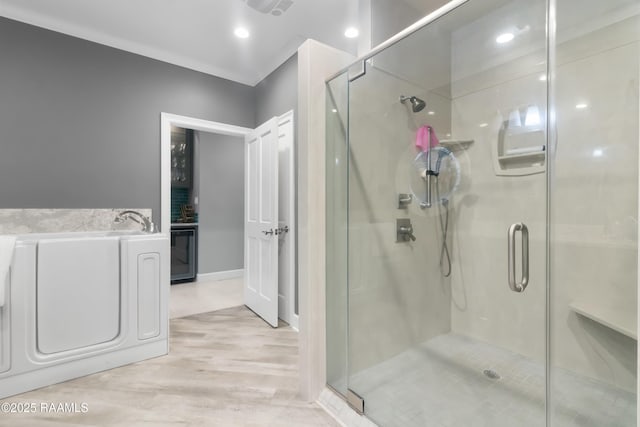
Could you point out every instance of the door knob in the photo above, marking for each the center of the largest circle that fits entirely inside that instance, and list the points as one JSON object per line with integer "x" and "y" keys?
{"x": 268, "y": 232}
{"x": 282, "y": 230}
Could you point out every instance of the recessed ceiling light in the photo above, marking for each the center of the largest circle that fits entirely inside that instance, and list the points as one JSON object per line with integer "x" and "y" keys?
{"x": 581, "y": 106}
{"x": 351, "y": 33}
{"x": 484, "y": 125}
{"x": 431, "y": 113}
{"x": 598, "y": 152}
{"x": 241, "y": 33}
{"x": 334, "y": 110}
{"x": 504, "y": 38}
{"x": 543, "y": 78}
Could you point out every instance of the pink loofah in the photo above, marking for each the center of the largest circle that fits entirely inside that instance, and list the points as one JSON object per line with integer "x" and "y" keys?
{"x": 422, "y": 138}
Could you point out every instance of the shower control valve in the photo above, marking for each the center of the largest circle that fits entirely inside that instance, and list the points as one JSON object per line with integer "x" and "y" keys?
{"x": 408, "y": 231}
{"x": 404, "y": 230}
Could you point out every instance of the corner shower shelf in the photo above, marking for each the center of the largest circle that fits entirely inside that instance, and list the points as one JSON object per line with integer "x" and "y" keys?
{"x": 619, "y": 320}
{"x": 456, "y": 144}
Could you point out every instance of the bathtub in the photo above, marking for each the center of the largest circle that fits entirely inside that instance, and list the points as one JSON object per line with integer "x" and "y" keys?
{"x": 80, "y": 303}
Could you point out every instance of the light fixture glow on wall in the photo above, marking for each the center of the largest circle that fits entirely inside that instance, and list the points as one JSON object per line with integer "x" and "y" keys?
{"x": 581, "y": 106}
{"x": 532, "y": 117}
{"x": 241, "y": 33}
{"x": 351, "y": 33}
{"x": 543, "y": 78}
{"x": 514, "y": 119}
{"x": 431, "y": 113}
{"x": 484, "y": 125}
{"x": 598, "y": 152}
{"x": 504, "y": 38}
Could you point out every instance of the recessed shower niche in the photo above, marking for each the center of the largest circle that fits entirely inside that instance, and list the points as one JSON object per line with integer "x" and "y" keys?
{"x": 521, "y": 143}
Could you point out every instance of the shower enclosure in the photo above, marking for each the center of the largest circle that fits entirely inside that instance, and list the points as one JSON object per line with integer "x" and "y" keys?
{"x": 482, "y": 251}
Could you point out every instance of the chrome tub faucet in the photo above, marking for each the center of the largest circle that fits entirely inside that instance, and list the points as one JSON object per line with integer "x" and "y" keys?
{"x": 135, "y": 216}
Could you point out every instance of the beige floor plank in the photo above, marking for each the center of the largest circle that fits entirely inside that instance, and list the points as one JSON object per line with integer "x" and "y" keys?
{"x": 204, "y": 296}
{"x": 226, "y": 368}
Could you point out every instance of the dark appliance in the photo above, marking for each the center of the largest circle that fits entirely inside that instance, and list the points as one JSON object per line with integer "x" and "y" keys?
{"x": 184, "y": 253}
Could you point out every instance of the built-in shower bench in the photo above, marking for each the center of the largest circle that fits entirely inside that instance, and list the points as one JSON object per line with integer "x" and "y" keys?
{"x": 620, "y": 321}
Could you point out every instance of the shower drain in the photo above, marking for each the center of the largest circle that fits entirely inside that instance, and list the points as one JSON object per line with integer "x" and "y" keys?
{"x": 490, "y": 373}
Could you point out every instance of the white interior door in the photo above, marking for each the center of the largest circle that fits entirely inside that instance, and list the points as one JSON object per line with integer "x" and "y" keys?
{"x": 286, "y": 215}
{"x": 261, "y": 221}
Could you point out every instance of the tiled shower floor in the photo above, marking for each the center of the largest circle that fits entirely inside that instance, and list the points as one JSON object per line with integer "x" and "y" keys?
{"x": 441, "y": 383}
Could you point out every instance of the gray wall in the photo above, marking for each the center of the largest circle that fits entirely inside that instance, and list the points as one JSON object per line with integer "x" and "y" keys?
{"x": 80, "y": 122}
{"x": 221, "y": 206}
{"x": 278, "y": 92}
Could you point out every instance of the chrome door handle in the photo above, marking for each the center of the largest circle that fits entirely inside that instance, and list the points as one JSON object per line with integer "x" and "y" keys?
{"x": 522, "y": 285}
{"x": 268, "y": 232}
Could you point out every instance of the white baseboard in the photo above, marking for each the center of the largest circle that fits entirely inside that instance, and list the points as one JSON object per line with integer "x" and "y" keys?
{"x": 220, "y": 275}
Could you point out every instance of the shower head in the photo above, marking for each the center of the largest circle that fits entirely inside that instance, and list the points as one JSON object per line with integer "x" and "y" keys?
{"x": 417, "y": 104}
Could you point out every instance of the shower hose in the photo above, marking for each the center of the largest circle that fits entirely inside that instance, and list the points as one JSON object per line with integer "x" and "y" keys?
{"x": 445, "y": 258}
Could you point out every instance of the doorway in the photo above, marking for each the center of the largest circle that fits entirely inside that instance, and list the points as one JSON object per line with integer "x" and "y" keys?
{"x": 207, "y": 134}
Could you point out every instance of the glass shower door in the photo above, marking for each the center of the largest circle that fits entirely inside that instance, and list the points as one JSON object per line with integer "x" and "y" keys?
{"x": 447, "y": 220}
{"x": 594, "y": 214}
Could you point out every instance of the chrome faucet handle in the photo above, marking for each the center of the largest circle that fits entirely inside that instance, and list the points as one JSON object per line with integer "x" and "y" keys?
{"x": 404, "y": 230}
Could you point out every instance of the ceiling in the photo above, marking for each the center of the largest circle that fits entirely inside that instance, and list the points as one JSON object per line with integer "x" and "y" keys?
{"x": 198, "y": 34}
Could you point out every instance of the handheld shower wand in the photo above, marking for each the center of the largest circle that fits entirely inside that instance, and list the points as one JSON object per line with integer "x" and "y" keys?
{"x": 429, "y": 173}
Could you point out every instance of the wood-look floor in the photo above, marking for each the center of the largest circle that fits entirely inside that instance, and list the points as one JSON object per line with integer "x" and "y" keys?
{"x": 225, "y": 368}
{"x": 187, "y": 299}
